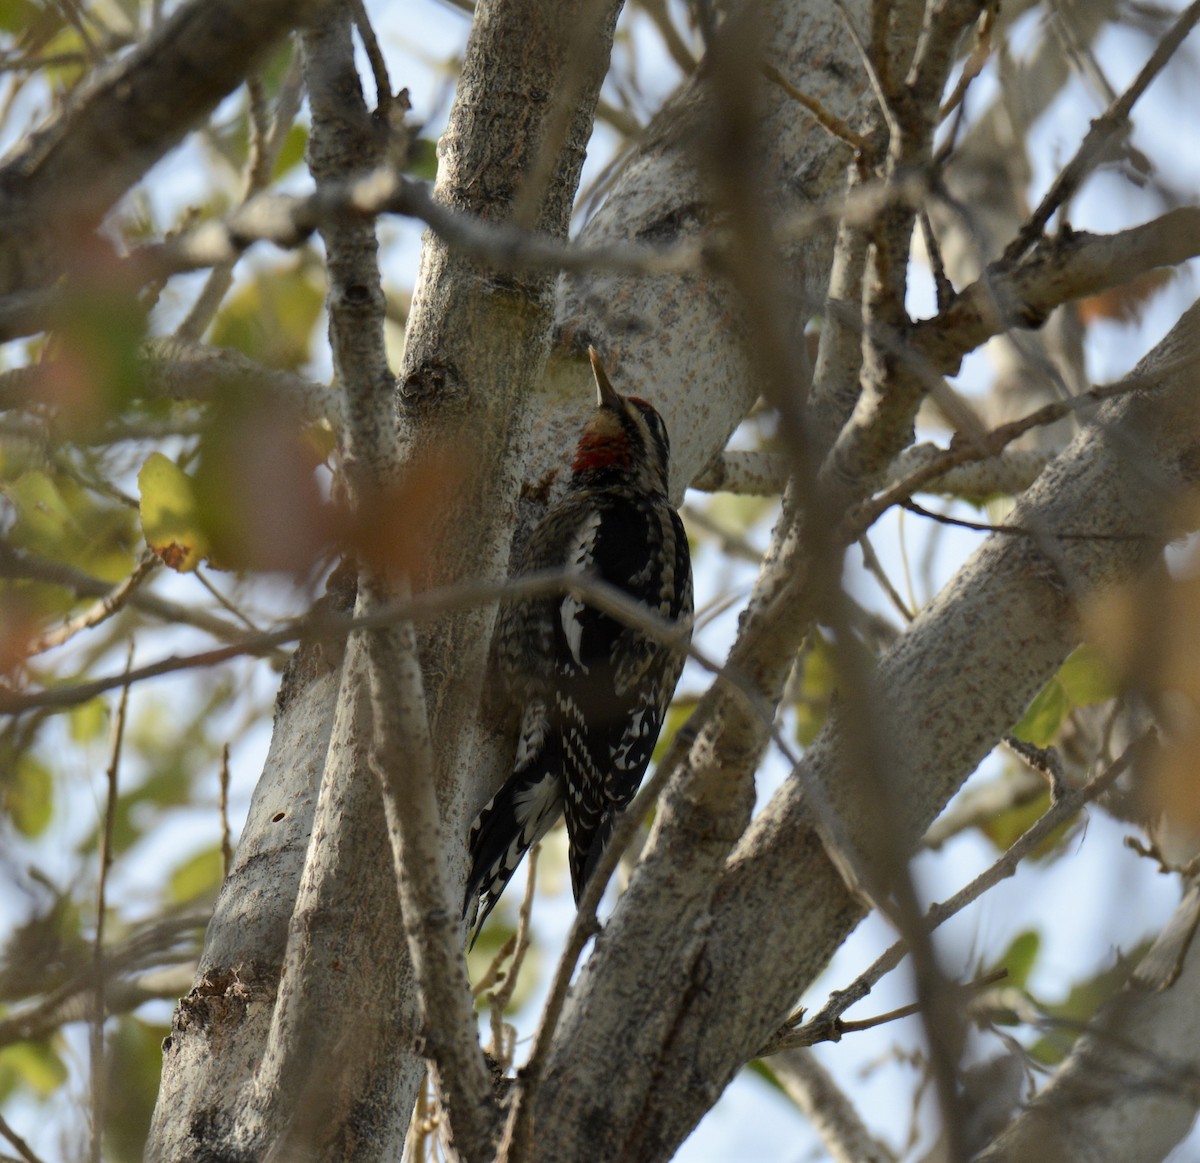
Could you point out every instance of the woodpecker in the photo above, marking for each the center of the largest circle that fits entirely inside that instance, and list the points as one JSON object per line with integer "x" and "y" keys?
{"x": 591, "y": 691}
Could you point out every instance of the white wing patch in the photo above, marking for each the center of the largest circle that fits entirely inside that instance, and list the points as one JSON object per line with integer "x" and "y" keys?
{"x": 572, "y": 623}
{"x": 536, "y": 808}
{"x": 579, "y": 561}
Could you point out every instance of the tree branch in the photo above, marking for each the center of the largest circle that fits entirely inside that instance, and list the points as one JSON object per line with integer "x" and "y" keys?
{"x": 833, "y": 1116}
{"x": 953, "y": 684}
{"x": 1115, "y": 119}
{"x": 1129, "y": 1091}
{"x": 68, "y": 175}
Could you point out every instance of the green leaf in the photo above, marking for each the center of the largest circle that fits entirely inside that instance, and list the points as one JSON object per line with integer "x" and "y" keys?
{"x": 1083, "y": 679}
{"x": 422, "y": 159}
{"x": 817, "y": 684}
{"x": 171, "y": 519}
{"x": 88, "y": 721}
{"x": 198, "y": 876}
{"x": 134, "y": 1066}
{"x": 56, "y": 518}
{"x": 292, "y": 153}
{"x": 677, "y": 715}
{"x": 1005, "y": 827}
{"x": 43, "y": 513}
{"x": 21, "y": 16}
{"x": 761, "y": 1067}
{"x": 1086, "y": 997}
{"x": 1086, "y": 678}
{"x": 1019, "y": 958}
{"x": 31, "y": 1066}
{"x": 272, "y": 317}
{"x": 29, "y": 795}
{"x": 1040, "y": 723}
{"x": 734, "y": 512}
{"x": 100, "y": 370}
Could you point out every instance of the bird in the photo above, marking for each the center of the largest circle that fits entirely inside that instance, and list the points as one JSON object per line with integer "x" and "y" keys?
{"x": 590, "y": 690}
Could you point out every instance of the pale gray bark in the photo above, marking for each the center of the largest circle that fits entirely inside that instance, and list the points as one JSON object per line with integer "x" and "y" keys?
{"x": 332, "y": 1073}
{"x": 692, "y": 975}
{"x": 221, "y": 1026}
{"x": 679, "y": 339}
{"x": 954, "y": 683}
{"x": 353, "y": 1106}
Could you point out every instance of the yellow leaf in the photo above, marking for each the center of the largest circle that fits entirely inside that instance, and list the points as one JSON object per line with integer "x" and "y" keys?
{"x": 33, "y": 1067}
{"x": 198, "y": 876}
{"x": 170, "y": 515}
{"x": 29, "y": 796}
{"x": 88, "y": 721}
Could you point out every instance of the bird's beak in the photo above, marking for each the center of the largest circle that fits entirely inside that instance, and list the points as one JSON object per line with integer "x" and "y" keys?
{"x": 606, "y": 394}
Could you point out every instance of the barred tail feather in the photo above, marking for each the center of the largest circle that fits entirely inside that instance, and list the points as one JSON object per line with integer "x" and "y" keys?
{"x": 515, "y": 819}
{"x": 590, "y": 832}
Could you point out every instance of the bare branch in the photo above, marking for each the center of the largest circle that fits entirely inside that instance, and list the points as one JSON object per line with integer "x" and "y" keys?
{"x": 322, "y": 623}
{"x": 1092, "y": 149}
{"x": 173, "y": 369}
{"x": 830, "y": 122}
{"x": 862, "y": 518}
{"x": 266, "y": 143}
{"x": 18, "y": 564}
{"x": 66, "y": 177}
{"x": 828, "y": 1022}
{"x": 402, "y": 757}
{"x": 223, "y": 810}
{"x": 99, "y": 1001}
{"x": 514, "y": 950}
{"x": 110, "y": 604}
{"x": 18, "y": 1144}
{"x": 832, "y": 1115}
{"x": 1067, "y": 266}
{"x": 764, "y": 474}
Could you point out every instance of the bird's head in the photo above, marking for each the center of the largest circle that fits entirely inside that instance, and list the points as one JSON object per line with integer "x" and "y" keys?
{"x": 625, "y": 439}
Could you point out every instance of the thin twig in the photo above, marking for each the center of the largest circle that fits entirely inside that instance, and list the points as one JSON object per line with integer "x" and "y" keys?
{"x": 859, "y": 520}
{"x": 875, "y": 567}
{"x": 266, "y": 143}
{"x": 106, "y": 855}
{"x": 499, "y": 999}
{"x": 18, "y": 1144}
{"x": 383, "y": 84}
{"x": 830, "y": 122}
{"x": 679, "y": 50}
{"x": 913, "y": 1009}
{"x": 424, "y": 607}
{"x": 110, "y": 604}
{"x": 825, "y": 1025}
{"x": 876, "y": 82}
{"x": 1091, "y": 149}
{"x": 1018, "y": 530}
{"x": 943, "y": 287}
{"x": 222, "y": 600}
{"x": 981, "y": 50}
{"x": 830, "y": 1111}
{"x": 27, "y": 566}
{"x": 223, "y": 808}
